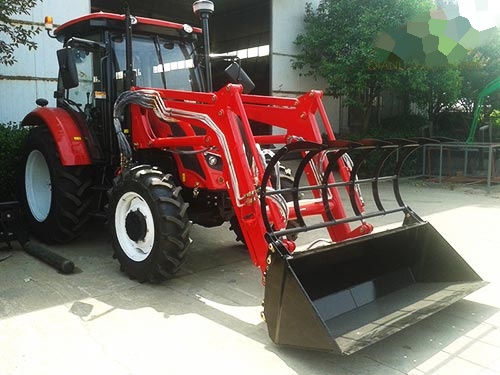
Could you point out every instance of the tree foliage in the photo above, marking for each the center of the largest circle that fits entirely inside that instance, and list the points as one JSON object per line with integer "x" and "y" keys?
{"x": 455, "y": 88}
{"x": 14, "y": 34}
{"x": 11, "y": 140}
{"x": 434, "y": 90}
{"x": 338, "y": 45}
{"x": 481, "y": 66}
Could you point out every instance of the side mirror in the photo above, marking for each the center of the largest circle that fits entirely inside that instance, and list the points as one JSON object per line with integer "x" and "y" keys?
{"x": 67, "y": 68}
{"x": 237, "y": 75}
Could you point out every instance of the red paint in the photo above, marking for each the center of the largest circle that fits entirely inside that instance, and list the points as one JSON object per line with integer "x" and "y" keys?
{"x": 69, "y": 141}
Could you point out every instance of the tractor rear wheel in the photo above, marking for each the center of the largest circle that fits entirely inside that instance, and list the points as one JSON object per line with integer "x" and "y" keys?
{"x": 55, "y": 198}
{"x": 149, "y": 225}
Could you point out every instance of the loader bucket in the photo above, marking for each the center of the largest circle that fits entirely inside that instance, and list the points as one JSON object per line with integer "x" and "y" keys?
{"x": 346, "y": 295}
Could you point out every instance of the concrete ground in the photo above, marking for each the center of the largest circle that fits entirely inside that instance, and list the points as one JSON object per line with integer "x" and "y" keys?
{"x": 206, "y": 320}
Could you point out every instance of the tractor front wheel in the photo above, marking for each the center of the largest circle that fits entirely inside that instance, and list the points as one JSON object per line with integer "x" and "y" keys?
{"x": 149, "y": 225}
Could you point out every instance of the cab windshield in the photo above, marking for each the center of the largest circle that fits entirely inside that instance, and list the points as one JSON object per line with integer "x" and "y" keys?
{"x": 159, "y": 62}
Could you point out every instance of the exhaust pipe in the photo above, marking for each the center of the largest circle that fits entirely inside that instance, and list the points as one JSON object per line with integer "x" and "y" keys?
{"x": 203, "y": 9}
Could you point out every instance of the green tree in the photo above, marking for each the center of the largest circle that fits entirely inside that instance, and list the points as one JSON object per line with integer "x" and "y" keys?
{"x": 11, "y": 140}
{"x": 14, "y": 34}
{"x": 435, "y": 90}
{"x": 480, "y": 67}
{"x": 338, "y": 45}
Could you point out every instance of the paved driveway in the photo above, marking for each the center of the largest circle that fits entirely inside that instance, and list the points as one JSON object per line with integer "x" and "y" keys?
{"x": 207, "y": 321}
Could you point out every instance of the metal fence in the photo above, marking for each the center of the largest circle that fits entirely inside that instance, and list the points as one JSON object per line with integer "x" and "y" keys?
{"x": 463, "y": 162}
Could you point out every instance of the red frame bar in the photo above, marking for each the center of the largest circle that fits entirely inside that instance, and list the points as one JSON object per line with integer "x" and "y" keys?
{"x": 228, "y": 133}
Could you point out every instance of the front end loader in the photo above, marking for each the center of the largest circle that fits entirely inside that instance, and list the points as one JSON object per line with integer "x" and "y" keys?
{"x": 155, "y": 149}
{"x": 342, "y": 296}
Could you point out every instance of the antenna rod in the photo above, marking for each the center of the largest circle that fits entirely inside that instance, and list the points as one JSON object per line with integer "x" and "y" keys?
{"x": 203, "y": 9}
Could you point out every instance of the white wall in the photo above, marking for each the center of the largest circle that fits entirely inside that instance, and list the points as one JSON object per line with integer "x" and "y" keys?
{"x": 35, "y": 74}
{"x": 286, "y": 23}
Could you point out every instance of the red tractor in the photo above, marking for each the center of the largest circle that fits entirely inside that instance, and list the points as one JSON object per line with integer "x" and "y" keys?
{"x": 140, "y": 138}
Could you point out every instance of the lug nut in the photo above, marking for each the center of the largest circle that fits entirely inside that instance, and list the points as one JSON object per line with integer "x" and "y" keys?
{"x": 212, "y": 160}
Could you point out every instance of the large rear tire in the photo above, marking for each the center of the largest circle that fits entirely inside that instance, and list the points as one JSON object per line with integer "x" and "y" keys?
{"x": 55, "y": 198}
{"x": 149, "y": 224}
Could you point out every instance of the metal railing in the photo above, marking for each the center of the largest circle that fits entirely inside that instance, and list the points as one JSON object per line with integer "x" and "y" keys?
{"x": 465, "y": 162}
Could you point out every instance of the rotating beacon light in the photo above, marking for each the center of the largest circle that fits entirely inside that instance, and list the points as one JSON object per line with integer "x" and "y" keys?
{"x": 49, "y": 26}
{"x": 203, "y": 9}
{"x": 49, "y": 23}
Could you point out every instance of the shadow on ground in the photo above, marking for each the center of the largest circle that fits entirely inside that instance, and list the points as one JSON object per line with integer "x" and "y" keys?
{"x": 205, "y": 318}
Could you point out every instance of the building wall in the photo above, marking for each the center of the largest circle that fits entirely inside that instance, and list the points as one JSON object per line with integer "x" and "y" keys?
{"x": 287, "y": 22}
{"x": 35, "y": 74}
{"x": 242, "y": 28}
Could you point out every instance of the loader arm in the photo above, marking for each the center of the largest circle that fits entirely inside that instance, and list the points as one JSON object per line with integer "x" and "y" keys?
{"x": 220, "y": 122}
{"x": 220, "y": 118}
{"x": 304, "y": 119}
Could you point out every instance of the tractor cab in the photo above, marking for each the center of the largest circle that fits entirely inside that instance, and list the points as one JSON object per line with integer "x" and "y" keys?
{"x": 105, "y": 54}
{"x": 162, "y": 54}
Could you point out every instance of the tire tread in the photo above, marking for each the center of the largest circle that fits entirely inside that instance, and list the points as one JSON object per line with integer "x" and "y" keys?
{"x": 170, "y": 213}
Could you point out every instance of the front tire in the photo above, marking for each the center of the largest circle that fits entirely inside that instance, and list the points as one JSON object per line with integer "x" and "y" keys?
{"x": 56, "y": 199}
{"x": 149, "y": 224}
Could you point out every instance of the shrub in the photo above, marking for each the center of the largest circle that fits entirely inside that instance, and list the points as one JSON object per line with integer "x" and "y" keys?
{"x": 404, "y": 126}
{"x": 455, "y": 125}
{"x": 11, "y": 140}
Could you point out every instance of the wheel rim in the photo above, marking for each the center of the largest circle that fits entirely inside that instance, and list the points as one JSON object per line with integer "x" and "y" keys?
{"x": 134, "y": 226}
{"x": 38, "y": 185}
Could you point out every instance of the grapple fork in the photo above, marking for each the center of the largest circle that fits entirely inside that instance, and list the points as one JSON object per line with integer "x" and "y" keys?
{"x": 361, "y": 286}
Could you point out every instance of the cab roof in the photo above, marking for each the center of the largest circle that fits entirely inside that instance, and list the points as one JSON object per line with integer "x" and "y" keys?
{"x": 94, "y": 22}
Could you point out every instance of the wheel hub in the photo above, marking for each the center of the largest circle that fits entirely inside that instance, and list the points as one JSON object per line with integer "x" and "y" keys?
{"x": 38, "y": 185}
{"x": 136, "y": 226}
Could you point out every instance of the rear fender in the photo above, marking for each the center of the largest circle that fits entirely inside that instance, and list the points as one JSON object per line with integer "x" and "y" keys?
{"x": 68, "y": 138}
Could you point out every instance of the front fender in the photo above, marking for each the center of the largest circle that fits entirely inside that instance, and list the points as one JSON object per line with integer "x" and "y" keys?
{"x": 68, "y": 138}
